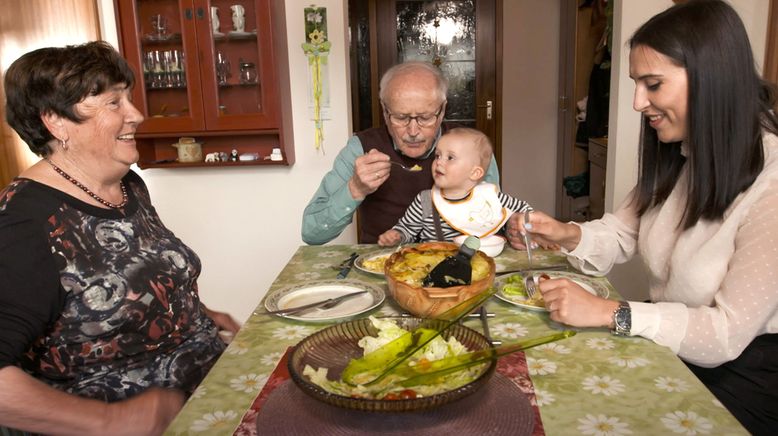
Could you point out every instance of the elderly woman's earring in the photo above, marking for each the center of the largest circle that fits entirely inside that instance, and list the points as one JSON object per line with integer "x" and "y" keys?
{"x": 63, "y": 143}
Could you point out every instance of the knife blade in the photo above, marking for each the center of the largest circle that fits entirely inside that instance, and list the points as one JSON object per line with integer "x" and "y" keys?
{"x": 331, "y": 302}
{"x": 347, "y": 266}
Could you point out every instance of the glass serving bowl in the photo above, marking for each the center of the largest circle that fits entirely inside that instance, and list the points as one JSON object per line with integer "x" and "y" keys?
{"x": 335, "y": 346}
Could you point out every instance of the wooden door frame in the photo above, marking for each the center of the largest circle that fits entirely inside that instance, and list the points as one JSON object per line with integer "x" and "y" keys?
{"x": 771, "y": 47}
{"x": 566, "y": 85}
{"x": 383, "y": 54}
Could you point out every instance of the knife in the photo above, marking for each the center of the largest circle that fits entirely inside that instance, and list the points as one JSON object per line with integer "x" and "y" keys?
{"x": 347, "y": 265}
{"x": 330, "y": 302}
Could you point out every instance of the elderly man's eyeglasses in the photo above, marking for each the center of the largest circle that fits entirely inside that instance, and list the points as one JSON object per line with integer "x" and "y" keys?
{"x": 423, "y": 120}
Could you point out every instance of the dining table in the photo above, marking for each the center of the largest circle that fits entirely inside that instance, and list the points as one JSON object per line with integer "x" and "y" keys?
{"x": 593, "y": 383}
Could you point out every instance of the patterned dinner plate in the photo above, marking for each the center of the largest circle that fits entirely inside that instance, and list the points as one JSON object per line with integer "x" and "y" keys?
{"x": 373, "y": 262}
{"x": 590, "y": 284}
{"x": 311, "y": 292}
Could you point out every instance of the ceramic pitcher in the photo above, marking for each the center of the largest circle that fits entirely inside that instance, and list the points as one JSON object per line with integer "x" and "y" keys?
{"x": 189, "y": 150}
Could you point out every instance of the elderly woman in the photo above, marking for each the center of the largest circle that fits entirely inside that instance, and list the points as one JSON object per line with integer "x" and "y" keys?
{"x": 101, "y": 327}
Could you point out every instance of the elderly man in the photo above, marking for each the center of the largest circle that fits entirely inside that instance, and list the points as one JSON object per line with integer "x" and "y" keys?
{"x": 413, "y": 98}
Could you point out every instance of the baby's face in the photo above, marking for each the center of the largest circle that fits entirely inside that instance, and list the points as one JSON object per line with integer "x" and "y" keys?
{"x": 455, "y": 159}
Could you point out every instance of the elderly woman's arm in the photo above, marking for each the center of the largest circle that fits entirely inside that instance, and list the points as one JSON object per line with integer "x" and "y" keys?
{"x": 30, "y": 405}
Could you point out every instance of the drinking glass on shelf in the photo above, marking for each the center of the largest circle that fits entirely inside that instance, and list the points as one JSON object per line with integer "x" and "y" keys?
{"x": 248, "y": 73}
{"x": 148, "y": 69}
{"x": 176, "y": 77}
{"x": 157, "y": 69}
{"x": 222, "y": 68}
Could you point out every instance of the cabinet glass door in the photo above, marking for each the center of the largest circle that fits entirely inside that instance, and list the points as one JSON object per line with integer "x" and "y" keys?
{"x": 238, "y": 78}
{"x": 163, "y": 54}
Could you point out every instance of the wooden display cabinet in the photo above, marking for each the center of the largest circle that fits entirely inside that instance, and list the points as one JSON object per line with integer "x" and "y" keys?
{"x": 219, "y": 85}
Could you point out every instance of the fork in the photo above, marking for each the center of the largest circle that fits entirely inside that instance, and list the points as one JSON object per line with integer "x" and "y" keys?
{"x": 529, "y": 283}
{"x": 527, "y": 239}
{"x": 413, "y": 169}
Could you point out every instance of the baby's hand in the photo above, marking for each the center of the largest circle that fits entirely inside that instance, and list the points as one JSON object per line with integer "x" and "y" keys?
{"x": 390, "y": 238}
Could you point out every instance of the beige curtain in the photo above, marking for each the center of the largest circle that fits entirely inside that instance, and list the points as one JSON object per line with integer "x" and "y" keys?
{"x": 26, "y": 25}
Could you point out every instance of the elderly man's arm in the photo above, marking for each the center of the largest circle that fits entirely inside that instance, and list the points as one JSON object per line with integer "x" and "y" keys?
{"x": 332, "y": 207}
{"x": 493, "y": 174}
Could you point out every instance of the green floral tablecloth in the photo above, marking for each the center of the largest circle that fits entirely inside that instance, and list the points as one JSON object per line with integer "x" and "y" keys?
{"x": 592, "y": 384}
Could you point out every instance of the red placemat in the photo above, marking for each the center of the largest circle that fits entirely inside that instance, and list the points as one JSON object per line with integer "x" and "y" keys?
{"x": 512, "y": 367}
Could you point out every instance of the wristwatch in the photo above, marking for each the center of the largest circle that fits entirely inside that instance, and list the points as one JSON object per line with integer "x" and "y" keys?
{"x": 622, "y": 319}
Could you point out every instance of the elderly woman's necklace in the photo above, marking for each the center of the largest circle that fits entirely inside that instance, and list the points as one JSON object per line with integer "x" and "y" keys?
{"x": 88, "y": 191}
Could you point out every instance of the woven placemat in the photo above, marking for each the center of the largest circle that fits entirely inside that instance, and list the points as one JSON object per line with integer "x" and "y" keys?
{"x": 499, "y": 408}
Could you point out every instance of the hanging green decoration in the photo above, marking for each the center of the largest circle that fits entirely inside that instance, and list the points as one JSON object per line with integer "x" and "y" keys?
{"x": 316, "y": 47}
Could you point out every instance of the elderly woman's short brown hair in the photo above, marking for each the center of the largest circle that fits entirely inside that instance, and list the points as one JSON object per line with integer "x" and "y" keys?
{"x": 53, "y": 80}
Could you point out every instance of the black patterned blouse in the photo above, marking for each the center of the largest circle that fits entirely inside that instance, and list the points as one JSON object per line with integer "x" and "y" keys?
{"x": 96, "y": 302}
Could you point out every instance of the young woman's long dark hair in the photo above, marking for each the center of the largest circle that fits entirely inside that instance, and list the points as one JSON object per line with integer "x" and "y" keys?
{"x": 729, "y": 105}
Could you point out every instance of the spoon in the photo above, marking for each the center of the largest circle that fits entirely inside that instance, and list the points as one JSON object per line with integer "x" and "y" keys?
{"x": 413, "y": 169}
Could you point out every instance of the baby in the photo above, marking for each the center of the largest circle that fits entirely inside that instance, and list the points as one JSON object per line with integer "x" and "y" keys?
{"x": 460, "y": 203}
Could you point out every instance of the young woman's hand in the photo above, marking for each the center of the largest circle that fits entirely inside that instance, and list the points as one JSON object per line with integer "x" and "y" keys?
{"x": 567, "y": 302}
{"x": 546, "y": 231}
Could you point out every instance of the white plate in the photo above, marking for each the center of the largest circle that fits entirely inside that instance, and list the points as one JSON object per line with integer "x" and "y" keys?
{"x": 235, "y": 33}
{"x": 360, "y": 261}
{"x": 298, "y": 295}
{"x": 590, "y": 284}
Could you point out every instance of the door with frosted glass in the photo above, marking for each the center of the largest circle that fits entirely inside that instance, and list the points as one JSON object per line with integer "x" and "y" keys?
{"x": 459, "y": 36}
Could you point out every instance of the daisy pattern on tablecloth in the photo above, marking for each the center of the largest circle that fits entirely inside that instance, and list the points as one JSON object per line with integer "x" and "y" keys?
{"x": 248, "y": 382}
{"x": 271, "y": 358}
{"x": 601, "y": 425}
{"x": 689, "y": 423}
{"x": 510, "y": 330}
{"x": 543, "y": 397}
{"x": 322, "y": 265}
{"x": 554, "y": 348}
{"x": 628, "y": 361}
{"x": 200, "y": 392}
{"x": 671, "y": 384}
{"x": 388, "y": 310}
{"x": 330, "y": 253}
{"x": 540, "y": 366}
{"x": 291, "y": 332}
{"x": 213, "y": 423}
{"x": 307, "y": 275}
{"x": 600, "y": 343}
{"x": 603, "y": 385}
{"x": 237, "y": 348}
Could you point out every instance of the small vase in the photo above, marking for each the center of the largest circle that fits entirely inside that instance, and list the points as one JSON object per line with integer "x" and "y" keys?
{"x": 238, "y": 19}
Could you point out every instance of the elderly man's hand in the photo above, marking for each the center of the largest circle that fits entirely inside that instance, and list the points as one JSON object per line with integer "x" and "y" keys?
{"x": 370, "y": 171}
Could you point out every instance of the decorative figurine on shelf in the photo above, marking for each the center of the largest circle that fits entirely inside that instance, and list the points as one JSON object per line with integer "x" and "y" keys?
{"x": 212, "y": 157}
{"x": 238, "y": 19}
{"x": 234, "y": 155}
{"x": 215, "y": 20}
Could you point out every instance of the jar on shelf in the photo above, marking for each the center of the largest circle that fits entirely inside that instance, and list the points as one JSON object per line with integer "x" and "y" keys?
{"x": 248, "y": 73}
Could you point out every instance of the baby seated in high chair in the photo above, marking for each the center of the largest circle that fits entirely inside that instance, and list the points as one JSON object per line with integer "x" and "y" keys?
{"x": 459, "y": 203}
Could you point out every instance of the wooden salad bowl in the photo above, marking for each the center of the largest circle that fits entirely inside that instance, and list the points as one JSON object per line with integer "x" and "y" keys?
{"x": 405, "y": 269}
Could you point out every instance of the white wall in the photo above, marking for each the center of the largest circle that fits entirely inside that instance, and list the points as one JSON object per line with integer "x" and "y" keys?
{"x": 244, "y": 223}
{"x": 530, "y": 74}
